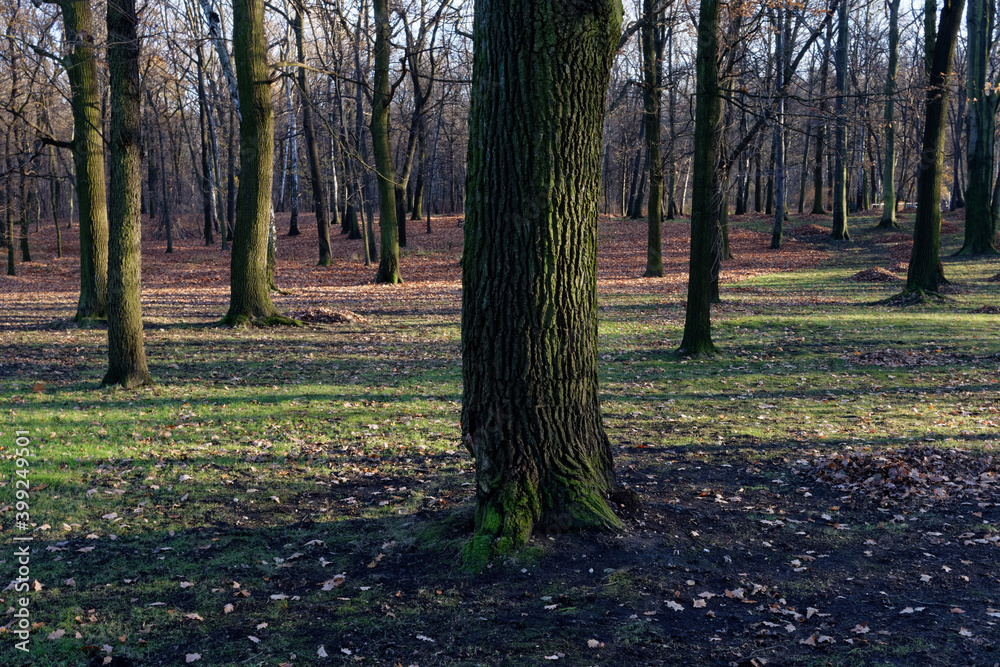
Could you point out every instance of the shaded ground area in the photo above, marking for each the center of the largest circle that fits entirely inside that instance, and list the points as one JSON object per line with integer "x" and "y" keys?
{"x": 300, "y": 496}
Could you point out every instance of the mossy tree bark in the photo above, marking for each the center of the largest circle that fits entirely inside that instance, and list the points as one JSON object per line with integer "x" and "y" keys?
{"x": 980, "y": 233}
{"x": 697, "y": 338}
{"x": 531, "y": 415}
{"x": 926, "y": 274}
{"x": 126, "y": 354}
{"x": 312, "y": 150}
{"x": 839, "y": 231}
{"x": 249, "y": 282}
{"x": 88, "y": 157}
{"x": 388, "y": 265}
{"x": 888, "y": 220}
{"x": 652, "y": 51}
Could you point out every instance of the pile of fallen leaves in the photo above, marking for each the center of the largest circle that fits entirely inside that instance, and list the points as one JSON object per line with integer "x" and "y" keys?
{"x": 895, "y": 237}
{"x": 811, "y": 230}
{"x": 876, "y": 274}
{"x": 949, "y": 228}
{"x": 900, "y": 267}
{"x": 900, "y": 358}
{"x": 914, "y": 473}
{"x": 327, "y": 316}
{"x": 994, "y": 279}
{"x": 987, "y": 310}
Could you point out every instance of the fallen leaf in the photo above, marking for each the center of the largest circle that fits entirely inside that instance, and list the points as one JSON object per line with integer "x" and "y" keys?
{"x": 279, "y": 596}
{"x": 191, "y": 657}
{"x": 925, "y": 578}
{"x": 193, "y": 617}
{"x": 261, "y": 626}
{"x": 228, "y": 609}
{"x": 69, "y": 582}
{"x": 964, "y": 632}
{"x": 860, "y": 629}
{"x": 337, "y": 581}
{"x": 698, "y": 603}
{"x": 673, "y": 605}
{"x": 37, "y": 586}
{"x": 186, "y": 584}
{"x": 593, "y": 643}
{"x": 255, "y": 640}
{"x": 56, "y": 634}
{"x": 425, "y": 638}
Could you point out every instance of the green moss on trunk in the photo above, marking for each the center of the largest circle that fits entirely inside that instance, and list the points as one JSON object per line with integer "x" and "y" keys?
{"x": 531, "y": 415}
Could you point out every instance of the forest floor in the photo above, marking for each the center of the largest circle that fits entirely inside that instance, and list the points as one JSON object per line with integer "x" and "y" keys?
{"x": 822, "y": 492}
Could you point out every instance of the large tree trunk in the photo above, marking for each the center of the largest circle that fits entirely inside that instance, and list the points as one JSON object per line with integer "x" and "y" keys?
{"x": 312, "y": 150}
{"x": 839, "y": 232}
{"x": 980, "y": 234}
{"x": 126, "y": 354}
{"x": 88, "y": 157}
{"x": 388, "y": 266}
{"x": 926, "y": 274}
{"x": 651, "y": 50}
{"x": 249, "y": 285}
{"x": 704, "y": 205}
{"x": 531, "y": 415}
{"x": 888, "y": 220}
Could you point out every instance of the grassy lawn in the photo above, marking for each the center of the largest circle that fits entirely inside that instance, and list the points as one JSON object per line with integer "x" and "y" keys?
{"x": 210, "y": 515}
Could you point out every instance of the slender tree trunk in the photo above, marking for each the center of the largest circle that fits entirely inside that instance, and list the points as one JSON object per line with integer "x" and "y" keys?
{"x": 126, "y": 353}
{"x": 250, "y": 296}
{"x": 9, "y": 208}
{"x": 926, "y": 274}
{"x": 824, "y": 75}
{"x": 888, "y": 220}
{"x": 839, "y": 232}
{"x": 231, "y": 180}
{"x": 207, "y": 180}
{"x": 292, "y": 160}
{"x": 980, "y": 232}
{"x": 779, "y": 133}
{"x": 88, "y": 156}
{"x": 54, "y": 191}
{"x": 697, "y": 338}
{"x": 804, "y": 174}
{"x": 651, "y": 114}
{"x": 312, "y": 150}
{"x": 388, "y": 268}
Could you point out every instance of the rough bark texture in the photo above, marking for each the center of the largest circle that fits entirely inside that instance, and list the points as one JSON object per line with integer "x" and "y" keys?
{"x": 704, "y": 207}
{"x": 888, "y": 220}
{"x": 88, "y": 157}
{"x": 925, "y": 274}
{"x": 126, "y": 354}
{"x": 388, "y": 265}
{"x": 249, "y": 288}
{"x": 980, "y": 234}
{"x": 651, "y": 107}
{"x": 531, "y": 416}
{"x": 839, "y": 231}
